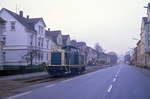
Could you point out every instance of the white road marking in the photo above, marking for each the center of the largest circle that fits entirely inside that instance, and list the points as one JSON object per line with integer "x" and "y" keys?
{"x": 50, "y": 85}
{"x": 67, "y": 80}
{"x": 116, "y": 75}
{"x": 19, "y": 95}
{"x": 118, "y": 72}
{"x": 109, "y": 89}
{"x": 114, "y": 79}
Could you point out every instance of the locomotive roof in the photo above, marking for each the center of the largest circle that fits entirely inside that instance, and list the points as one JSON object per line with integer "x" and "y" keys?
{"x": 69, "y": 46}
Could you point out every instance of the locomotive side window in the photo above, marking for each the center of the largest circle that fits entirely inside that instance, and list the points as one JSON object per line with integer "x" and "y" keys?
{"x": 56, "y": 58}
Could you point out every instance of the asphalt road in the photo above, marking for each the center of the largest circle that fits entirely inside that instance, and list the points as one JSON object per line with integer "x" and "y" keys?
{"x": 117, "y": 82}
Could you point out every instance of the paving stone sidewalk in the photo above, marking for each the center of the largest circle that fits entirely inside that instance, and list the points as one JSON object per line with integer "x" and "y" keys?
{"x": 23, "y": 76}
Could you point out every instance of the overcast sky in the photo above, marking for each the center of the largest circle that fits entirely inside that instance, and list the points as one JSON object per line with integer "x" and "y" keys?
{"x": 112, "y": 23}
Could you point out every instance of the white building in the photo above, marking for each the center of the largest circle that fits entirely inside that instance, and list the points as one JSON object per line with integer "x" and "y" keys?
{"x": 56, "y": 38}
{"x": 2, "y": 41}
{"x": 24, "y": 35}
{"x": 66, "y": 40}
{"x": 143, "y": 52}
{"x": 91, "y": 56}
{"x": 83, "y": 50}
{"x": 103, "y": 58}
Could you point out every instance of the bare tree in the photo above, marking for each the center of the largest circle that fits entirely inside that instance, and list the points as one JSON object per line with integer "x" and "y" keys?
{"x": 113, "y": 57}
{"x": 99, "y": 51}
{"x": 29, "y": 57}
{"x": 98, "y": 48}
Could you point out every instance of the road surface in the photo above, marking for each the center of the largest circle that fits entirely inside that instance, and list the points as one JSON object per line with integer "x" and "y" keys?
{"x": 117, "y": 82}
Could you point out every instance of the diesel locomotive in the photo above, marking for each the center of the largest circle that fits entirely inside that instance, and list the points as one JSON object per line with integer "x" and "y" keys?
{"x": 68, "y": 60}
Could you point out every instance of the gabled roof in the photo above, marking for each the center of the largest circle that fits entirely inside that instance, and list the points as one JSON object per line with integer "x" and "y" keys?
{"x": 65, "y": 38}
{"x": 69, "y": 47}
{"x": 22, "y": 20}
{"x": 53, "y": 34}
{"x": 28, "y": 23}
{"x": 74, "y": 43}
{"x": 93, "y": 50}
{"x": 2, "y": 20}
{"x": 36, "y": 20}
{"x": 81, "y": 44}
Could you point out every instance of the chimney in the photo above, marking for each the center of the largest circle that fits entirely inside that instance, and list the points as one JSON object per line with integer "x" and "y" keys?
{"x": 48, "y": 29}
{"x": 27, "y": 16}
{"x": 21, "y": 13}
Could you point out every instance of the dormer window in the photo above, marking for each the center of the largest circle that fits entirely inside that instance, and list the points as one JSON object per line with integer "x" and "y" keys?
{"x": 13, "y": 25}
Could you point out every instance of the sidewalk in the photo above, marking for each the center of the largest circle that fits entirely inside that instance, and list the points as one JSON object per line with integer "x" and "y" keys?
{"x": 23, "y": 76}
{"x": 37, "y": 74}
{"x": 144, "y": 71}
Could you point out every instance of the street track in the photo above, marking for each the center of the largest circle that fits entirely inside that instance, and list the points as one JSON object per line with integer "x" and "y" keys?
{"x": 45, "y": 78}
{"x": 28, "y": 83}
{"x": 48, "y": 78}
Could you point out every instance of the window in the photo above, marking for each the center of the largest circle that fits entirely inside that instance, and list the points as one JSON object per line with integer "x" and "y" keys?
{"x": 40, "y": 29}
{"x": 42, "y": 43}
{"x": 148, "y": 28}
{"x": 31, "y": 40}
{"x": 4, "y": 56}
{"x": 42, "y": 55}
{"x": 59, "y": 40}
{"x": 13, "y": 23}
{"x": 4, "y": 40}
{"x": 38, "y": 56}
{"x": 31, "y": 43}
{"x": 148, "y": 42}
{"x": 47, "y": 56}
{"x": 39, "y": 39}
{"x": 148, "y": 35}
{"x": 3, "y": 28}
{"x": 47, "y": 43}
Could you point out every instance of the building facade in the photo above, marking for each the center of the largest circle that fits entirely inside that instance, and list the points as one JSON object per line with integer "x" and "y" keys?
{"x": 91, "y": 56}
{"x": 127, "y": 58}
{"x": 134, "y": 57}
{"x": 140, "y": 53}
{"x": 103, "y": 59}
{"x": 56, "y": 38}
{"x": 143, "y": 46}
{"x": 23, "y": 37}
{"x": 2, "y": 41}
{"x": 66, "y": 40}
